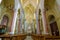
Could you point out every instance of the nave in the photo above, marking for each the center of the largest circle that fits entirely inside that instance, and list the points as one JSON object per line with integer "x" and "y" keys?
{"x": 28, "y": 38}
{"x": 39, "y": 18}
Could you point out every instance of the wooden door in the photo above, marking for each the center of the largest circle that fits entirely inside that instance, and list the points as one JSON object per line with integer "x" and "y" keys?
{"x": 54, "y": 29}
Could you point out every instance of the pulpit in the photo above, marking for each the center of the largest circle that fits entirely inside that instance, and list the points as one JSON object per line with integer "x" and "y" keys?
{"x": 2, "y": 29}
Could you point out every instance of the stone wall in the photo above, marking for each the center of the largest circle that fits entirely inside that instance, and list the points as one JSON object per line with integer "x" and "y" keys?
{"x": 56, "y": 13}
{"x": 7, "y": 12}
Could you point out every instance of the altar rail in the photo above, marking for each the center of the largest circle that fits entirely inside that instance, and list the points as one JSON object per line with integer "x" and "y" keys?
{"x": 44, "y": 37}
{"x": 13, "y": 37}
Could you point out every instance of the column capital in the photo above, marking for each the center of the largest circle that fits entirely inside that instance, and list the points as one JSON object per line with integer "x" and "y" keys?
{"x": 43, "y": 9}
{"x": 45, "y": 24}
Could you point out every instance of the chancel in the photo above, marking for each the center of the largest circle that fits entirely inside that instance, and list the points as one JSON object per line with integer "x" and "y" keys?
{"x": 29, "y": 19}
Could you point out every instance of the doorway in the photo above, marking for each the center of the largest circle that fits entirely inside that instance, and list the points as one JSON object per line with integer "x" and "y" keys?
{"x": 54, "y": 29}
{"x": 53, "y": 26}
{"x": 5, "y": 20}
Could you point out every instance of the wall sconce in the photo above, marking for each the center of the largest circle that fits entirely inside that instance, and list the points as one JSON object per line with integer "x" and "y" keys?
{"x": 0, "y": 1}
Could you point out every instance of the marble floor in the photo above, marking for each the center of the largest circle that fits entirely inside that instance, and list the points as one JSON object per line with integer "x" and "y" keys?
{"x": 28, "y": 38}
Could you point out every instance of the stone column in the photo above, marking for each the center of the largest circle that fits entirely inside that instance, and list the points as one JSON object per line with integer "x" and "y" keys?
{"x": 19, "y": 26}
{"x": 14, "y": 22}
{"x": 0, "y": 13}
{"x": 45, "y": 24}
{"x": 21, "y": 17}
{"x": 37, "y": 23}
{"x": 44, "y": 20}
{"x": 21, "y": 20}
{"x": 33, "y": 27}
{"x": 14, "y": 17}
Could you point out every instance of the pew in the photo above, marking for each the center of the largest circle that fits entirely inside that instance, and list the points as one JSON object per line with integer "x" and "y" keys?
{"x": 19, "y": 37}
{"x": 6, "y": 37}
{"x": 45, "y": 37}
{"x": 37, "y": 37}
{"x": 13, "y": 37}
{"x": 52, "y": 37}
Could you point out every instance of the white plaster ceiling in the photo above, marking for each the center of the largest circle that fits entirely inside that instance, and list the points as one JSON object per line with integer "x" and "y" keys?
{"x": 58, "y": 2}
{"x": 0, "y": 1}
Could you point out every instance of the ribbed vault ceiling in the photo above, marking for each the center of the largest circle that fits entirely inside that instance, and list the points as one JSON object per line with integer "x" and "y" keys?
{"x": 29, "y": 8}
{"x": 8, "y": 4}
{"x": 49, "y": 4}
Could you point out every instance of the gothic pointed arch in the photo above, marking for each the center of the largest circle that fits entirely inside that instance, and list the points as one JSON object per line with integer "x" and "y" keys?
{"x": 53, "y": 25}
{"x": 5, "y": 20}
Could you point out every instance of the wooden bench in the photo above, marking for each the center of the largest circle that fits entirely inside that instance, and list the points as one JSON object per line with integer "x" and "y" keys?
{"x": 37, "y": 37}
{"x": 19, "y": 37}
{"x": 45, "y": 37}
{"x": 13, "y": 37}
{"x": 52, "y": 37}
{"x": 6, "y": 37}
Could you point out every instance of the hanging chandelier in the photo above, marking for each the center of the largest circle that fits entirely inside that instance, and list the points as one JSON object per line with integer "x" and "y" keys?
{"x": 0, "y": 1}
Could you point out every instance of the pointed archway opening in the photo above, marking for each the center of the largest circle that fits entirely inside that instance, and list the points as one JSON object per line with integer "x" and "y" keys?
{"x": 5, "y": 22}
{"x": 53, "y": 26}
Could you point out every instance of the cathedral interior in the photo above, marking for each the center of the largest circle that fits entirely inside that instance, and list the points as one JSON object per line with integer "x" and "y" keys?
{"x": 29, "y": 19}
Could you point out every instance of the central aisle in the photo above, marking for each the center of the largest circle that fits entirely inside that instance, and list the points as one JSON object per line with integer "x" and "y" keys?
{"x": 28, "y": 38}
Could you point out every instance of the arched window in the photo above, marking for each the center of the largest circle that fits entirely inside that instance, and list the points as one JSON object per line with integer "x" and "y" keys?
{"x": 53, "y": 26}
{"x": 51, "y": 18}
{"x": 5, "y": 20}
